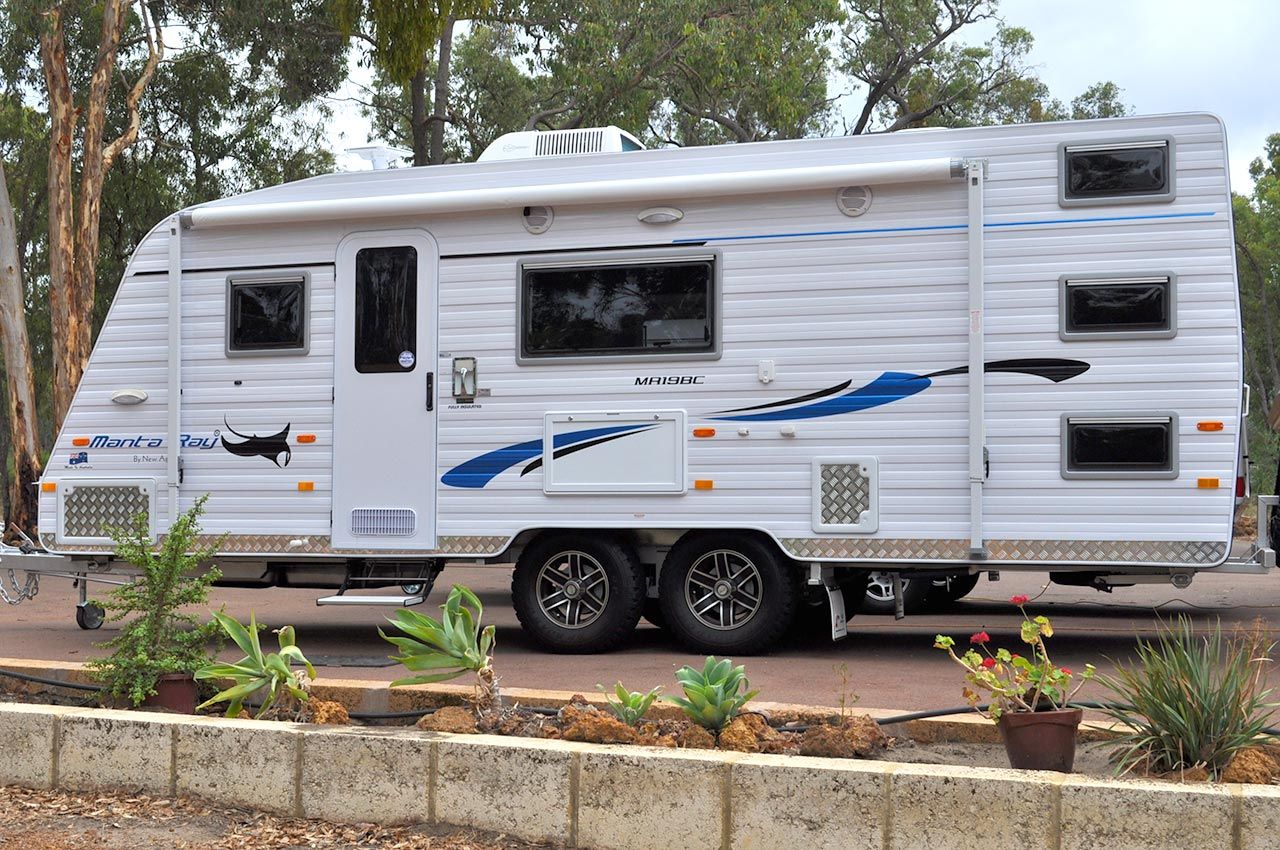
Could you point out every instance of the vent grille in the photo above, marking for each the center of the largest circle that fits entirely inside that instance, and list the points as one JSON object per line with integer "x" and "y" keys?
{"x": 559, "y": 142}
{"x": 537, "y": 219}
{"x": 383, "y": 522}
{"x": 95, "y": 510}
{"x": 853, "y": 201}
{"x": 845, "y": 492}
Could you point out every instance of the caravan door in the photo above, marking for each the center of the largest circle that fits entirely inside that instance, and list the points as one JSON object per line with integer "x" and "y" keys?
{"x": 384, "y": 387}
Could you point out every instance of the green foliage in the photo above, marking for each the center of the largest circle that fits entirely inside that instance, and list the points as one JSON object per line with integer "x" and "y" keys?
{"x": 713, "y": 695}
{"x": 629, "y": 706}
{"x": 1191, "y": 699}
{"x": 269, "y": 672}
{"x": 157, "y": 636}
{"x": 438, "y": 650}
{"x": 403, "y": 32}
{"x": 1010, "y": 681}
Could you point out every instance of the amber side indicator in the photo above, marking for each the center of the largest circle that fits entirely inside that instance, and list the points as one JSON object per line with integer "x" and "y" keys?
{"x": 306, "y": 486}
{"x": 703, "y": 484}
{"x": 1207, "y": 483}
{"x": 80, "y": 441}
{"x": 1209, "y": 426}
{"x": 306, "y": 438}
{"x": 704, "y": 432}
{"x": 48, "y": 487}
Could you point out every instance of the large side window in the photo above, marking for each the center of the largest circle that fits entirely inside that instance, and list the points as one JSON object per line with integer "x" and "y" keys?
{"x": 386, "y": 309}
{"x": 1116, "y": 173}
{"x": 644, "y": 309}
{"x": 1120, "y": 446}
{"x": 267, "y": 315}
{"x": 1095, "y": 307}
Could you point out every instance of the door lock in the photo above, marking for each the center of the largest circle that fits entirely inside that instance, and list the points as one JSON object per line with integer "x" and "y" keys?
{"x": 431, "y": 391}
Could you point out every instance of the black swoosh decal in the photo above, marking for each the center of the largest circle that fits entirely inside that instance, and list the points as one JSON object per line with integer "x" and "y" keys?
{"x": 577, "y": 447}
{"x": 797, "y": 400}
{"x": 269, "y": 447}
{"x": 1052, "y": 368}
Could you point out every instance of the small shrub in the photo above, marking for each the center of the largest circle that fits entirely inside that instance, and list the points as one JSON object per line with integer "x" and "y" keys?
{"x": 157, "y": 636}
{"x": 713, "y": 695}
{"x": 1191, "y": 700}
{"x": 630, "y": 707}
{"x": 270, "y": 673}
{"x": 438, "y": 650}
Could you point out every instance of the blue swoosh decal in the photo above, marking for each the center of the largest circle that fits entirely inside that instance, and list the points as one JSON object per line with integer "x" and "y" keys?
{"x": 888, "y": 388}
{"x": 479, "y": 471}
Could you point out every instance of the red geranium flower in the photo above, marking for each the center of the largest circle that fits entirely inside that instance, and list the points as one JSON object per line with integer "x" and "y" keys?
{"x": 1066, "y": 670}
{"x": 988, "y": 663}
{"x": 979, "y": 638}
{"x": 1019, "y": 599}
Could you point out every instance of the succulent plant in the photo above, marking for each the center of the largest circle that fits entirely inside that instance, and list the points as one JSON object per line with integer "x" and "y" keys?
{"x": 715, "y": 694}
{"x": 258, "y": 671}
{"x": 438, "y": 650}
{"x": 630, "y": 706}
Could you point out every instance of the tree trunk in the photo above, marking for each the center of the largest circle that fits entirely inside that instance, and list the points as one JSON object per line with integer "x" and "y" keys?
{"x": 16, "y": 348}
{"x": 418, "y": 118}
{"x": 440, "y": 101}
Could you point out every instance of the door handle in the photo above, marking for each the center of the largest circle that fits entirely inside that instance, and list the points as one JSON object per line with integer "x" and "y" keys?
{"x": 431, "y": 391}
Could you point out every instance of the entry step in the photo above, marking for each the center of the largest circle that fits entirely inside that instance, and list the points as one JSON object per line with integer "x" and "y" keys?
{"x": 403, "y": 601}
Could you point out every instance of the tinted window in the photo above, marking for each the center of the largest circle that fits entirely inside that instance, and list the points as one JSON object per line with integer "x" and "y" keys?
{"x": 1140, "y": 445}
{"x": 386, "y": 338}
{"x": 1136, "y": 304}
{"x": 1108, "y": 172}
{"x": 651, "y": 308}
{"x": 268, "y": 316}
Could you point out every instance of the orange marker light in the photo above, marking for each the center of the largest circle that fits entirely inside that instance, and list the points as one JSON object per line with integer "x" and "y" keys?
{"x": 1209, "y": 426}
{"x": 1207, "y": 483}
{"x": 704, "y": 432}
{"x": 703, "y": 484}
{"x": 306, "y": 438}
{"x": 48, "y": 487}
{"x": 80, "y": 441}
{"x": 306, "y": 486}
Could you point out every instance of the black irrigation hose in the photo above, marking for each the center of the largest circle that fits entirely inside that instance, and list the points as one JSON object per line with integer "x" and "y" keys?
{"x": 42, "y": 681}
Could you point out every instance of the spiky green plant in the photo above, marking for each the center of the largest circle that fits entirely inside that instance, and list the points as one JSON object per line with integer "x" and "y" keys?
{"x": 629, "y": 706}
{"x": 158, "y": 634}
{"x": 438, "y": 650}
{"x": 269, "y": 673}
{"x": 713, "y": 695}
{"x": 1191, "y": 699}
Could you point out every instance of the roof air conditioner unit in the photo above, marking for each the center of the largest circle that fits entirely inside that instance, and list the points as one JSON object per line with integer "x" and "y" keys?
{"x": 534, "y": 143}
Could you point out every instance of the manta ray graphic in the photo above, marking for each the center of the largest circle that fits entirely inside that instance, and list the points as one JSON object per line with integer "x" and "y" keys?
{"x": 270, "y": 447}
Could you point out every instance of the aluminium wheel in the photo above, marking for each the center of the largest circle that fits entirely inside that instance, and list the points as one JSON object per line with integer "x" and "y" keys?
{"x": 89, "y": 616}
{"x": 879, "y": 595}
{"x": 578, "y": 592}
{"x": 728, "y": 593}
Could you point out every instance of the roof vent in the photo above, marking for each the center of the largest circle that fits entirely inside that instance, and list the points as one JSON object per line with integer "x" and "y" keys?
{"x": 853, "y": 201}
{"x": 534, "y": 143}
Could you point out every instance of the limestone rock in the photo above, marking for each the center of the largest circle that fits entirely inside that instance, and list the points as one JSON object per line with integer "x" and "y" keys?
{"x": 1252, "y": 764}
{"x": 856, "y": 737}
{"x": 328, "y": 712}
{"x": 451, "y": 718}
{"x": 694, "y": 737}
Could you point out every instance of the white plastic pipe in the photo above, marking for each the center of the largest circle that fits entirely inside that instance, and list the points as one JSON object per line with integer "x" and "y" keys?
{"x": 671, "y": 187}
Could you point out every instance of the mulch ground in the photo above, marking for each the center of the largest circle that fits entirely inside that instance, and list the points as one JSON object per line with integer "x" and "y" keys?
{"x": 54, "y": 820}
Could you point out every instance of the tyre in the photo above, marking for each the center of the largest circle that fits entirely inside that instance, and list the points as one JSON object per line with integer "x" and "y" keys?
{"x": 879, "y": 596}
{"x": 652, "y": 611}
{"x": 578, "y": 592}
{"x": 946, "y": 592}
{"x": 89, "y": 616}
{"x": 728, "y": 593}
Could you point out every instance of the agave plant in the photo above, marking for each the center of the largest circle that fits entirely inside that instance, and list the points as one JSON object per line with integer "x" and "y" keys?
{"x": 713, "y": 695}
{"x": 1192, "y": 699}
{"x": 629, "y": 706}
{"x": 258, "y": 671}
{"x": 438, "y": 650}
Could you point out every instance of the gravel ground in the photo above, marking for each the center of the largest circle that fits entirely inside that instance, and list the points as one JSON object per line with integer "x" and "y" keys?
{"x": 52, "y": 820}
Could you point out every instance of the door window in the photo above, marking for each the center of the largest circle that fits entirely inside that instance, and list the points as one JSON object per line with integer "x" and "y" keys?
{"x": 386, "y": 309}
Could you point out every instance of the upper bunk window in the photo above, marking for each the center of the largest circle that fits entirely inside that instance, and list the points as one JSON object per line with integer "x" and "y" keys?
{"x": 1094, "y": 307}
{"x": 267, "y": 315}
{"x": 1123, "y": 172}
{"x": 659, "y": 308}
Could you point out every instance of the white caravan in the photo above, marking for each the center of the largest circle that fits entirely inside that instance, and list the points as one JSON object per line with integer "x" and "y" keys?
{"x": 689, "y": 381}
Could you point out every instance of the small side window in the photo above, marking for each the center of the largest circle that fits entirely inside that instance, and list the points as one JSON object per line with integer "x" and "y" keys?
{"x": 1097, "y": 307}
{"x": 654, "y": 309}
{"x": 267, "y": 316}
{"x": 1120, "y": 446}
{"x": 1116, "y": 173}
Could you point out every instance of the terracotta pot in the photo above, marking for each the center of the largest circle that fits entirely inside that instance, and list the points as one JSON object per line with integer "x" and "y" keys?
{"x": 1041, "y": 740}
{"x": 174, "y": 692}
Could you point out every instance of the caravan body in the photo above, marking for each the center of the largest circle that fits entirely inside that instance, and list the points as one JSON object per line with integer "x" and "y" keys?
{"x": 961, "y": 350}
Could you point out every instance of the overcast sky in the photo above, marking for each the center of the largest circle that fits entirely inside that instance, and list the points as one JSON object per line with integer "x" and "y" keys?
{"x": 1168, "y": 56}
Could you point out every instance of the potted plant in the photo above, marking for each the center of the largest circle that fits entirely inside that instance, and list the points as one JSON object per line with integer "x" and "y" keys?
{"x": 1029, "y": 694}
{"x": 160, "y": 646}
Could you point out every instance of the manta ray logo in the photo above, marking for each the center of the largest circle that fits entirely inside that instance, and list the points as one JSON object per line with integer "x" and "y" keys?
{"x": 271, "y": 447}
